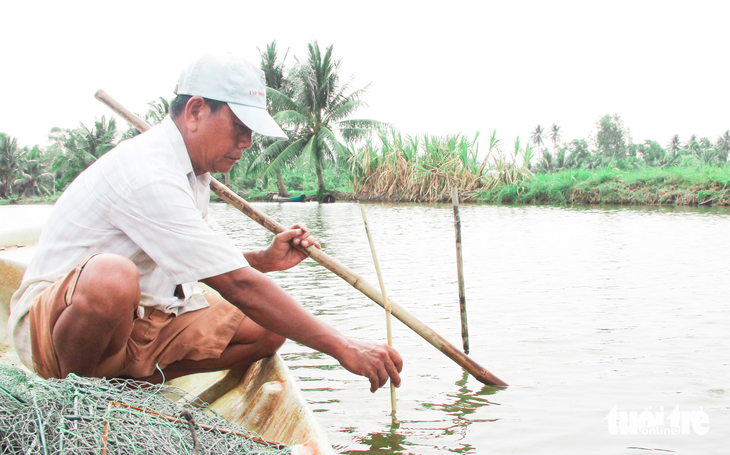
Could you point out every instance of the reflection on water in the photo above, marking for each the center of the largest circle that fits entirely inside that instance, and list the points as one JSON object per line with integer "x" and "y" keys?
{"x": 579, "y": 310}
{"x": 390, "y": 441}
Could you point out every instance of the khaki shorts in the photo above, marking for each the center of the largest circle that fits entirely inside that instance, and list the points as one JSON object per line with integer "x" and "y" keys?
{"x": 157, "y": 339}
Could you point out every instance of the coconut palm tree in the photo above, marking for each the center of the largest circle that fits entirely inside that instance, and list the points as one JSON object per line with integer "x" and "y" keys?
{"x": 319, "y": 108}
{"x": 723, "y": 145}
{"x": 157, "y": 110}
{"x": 555, "y": 135}
{"x": 674, "y": 145}
{"x": 10, "y": 162}
{"x": 692, "y": 145}
{"x": 537, "y": 137}
{"x": 35, "y": 178}
{"x": 274, "y": 72}
{"x": 82, "y": 146}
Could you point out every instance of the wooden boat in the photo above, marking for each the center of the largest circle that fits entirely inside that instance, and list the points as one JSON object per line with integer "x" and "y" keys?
{"x": 263, "y": 399}
{"x": 302, "y": 198}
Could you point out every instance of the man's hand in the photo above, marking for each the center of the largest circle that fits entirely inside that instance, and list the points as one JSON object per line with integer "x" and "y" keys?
{"x": 262, "y": 300}
{"x": 281, "y": 254}
{"x": 376, "y": 361}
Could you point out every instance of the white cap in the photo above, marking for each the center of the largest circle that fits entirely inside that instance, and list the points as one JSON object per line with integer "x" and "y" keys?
{"x": 233, "y": 80}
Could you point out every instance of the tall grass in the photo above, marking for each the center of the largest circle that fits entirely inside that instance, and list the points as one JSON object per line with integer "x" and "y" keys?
{"x": 398, "y": 168}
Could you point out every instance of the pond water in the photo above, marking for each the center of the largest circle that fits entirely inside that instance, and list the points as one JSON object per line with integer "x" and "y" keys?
{"x": 611, "y": 325}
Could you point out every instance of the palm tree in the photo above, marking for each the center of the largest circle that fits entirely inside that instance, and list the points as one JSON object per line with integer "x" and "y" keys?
{"x": 537, "y": 138}
{"x": 273, "y": 69}
{"x": 723, "y": 145}
{"x": 275, "y": 79}
{"x": 692, "y": 144}
{"x": 555, "y": 135}
{"x": 674, "y": 145}
{"x": 320, "y": 107}
{"x": 83, "y": 146}
{"x": 157, "y": 110}
{"x": 10, "y": 162}
{"x": 34, "y": 176}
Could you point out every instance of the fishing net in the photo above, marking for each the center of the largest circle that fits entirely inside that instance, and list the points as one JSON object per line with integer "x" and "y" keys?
{"x": 97, "y": 416}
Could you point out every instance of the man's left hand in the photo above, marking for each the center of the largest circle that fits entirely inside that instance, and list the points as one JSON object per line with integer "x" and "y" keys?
{"x": 281, "y": 254}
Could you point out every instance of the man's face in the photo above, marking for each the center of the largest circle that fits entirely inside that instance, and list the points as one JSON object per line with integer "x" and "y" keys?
{"x": 224, "y": 139}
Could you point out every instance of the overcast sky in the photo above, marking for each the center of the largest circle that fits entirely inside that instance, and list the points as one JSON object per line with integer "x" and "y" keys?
{"x": 434, "y": 67}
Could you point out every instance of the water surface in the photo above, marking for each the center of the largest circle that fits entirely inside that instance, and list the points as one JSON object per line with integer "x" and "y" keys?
{"x": 579, "y": 310}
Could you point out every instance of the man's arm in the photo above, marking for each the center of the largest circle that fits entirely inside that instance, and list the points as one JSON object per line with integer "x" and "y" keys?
{"x": 261, "y": 299}
{"x": 281, "y": 255}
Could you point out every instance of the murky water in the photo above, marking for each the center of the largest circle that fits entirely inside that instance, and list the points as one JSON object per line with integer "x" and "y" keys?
{"x": 579, "y": 310}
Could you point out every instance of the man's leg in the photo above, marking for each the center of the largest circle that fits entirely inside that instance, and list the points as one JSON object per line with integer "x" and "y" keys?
{"x": 99, "y": 319}
{"x": 250, "y": 343}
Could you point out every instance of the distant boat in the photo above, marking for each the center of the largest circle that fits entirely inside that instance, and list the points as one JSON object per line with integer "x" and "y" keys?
{"x": 301, "y": 198}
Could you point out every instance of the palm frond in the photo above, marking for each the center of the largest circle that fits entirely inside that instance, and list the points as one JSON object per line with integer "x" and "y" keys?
{"x": 280, "y": 101}
{"x": 293, "y": 150}
{"x": 353, "y": 130}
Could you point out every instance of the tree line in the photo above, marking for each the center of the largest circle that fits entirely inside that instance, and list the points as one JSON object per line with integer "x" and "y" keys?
{"x": 327, "y": 149}
{"x": 612, "y": 146}
{"x": 308, "y": 100}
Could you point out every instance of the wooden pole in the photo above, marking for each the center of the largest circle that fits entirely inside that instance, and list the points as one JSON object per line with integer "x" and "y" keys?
{"x": 388, "y": 307}
{"x": 358, "y": 282}
{"x": 460, "y": 269}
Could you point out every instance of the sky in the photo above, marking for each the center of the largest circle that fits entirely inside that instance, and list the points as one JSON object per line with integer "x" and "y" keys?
{"x": 433, "y": 67}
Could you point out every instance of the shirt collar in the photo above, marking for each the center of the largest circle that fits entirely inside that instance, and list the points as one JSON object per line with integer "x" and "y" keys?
{"x": 178, "y": 145}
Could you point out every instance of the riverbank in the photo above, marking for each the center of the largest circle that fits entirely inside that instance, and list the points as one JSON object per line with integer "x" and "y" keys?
{"x": 308, "y": 196}
{"x": 690, "y": 186}
{"x": 35, "y": 200}
{"x": 685, "y": 186}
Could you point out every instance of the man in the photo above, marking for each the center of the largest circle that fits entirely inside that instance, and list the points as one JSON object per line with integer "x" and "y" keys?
{"x": 111, "y": 289}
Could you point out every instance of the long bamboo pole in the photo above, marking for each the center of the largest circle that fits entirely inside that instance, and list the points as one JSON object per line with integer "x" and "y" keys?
{"x": 388, "y": 307}
{"x": 460, "y": 269}
{"x": 358, "y": 282}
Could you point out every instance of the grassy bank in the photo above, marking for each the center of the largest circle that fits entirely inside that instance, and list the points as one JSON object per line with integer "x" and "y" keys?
{"x": 702, "y": 185}
{"x": 30, "y": 200}
{"x": 680, "y": 185}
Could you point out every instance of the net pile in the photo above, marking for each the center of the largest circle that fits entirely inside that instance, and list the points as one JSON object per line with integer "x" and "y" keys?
{"x": 96, "y": 416}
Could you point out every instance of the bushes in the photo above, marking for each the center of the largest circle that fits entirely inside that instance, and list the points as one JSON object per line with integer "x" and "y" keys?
{"x": 703, "y": 185}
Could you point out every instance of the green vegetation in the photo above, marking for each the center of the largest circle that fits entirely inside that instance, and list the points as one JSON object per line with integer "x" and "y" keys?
{"x": 605, "y": 169}
{"x": 327, "y": 151}
{"x": 314, "y": 108}
{"x": 424, "y": 169}
{"x": 676, "y": 185}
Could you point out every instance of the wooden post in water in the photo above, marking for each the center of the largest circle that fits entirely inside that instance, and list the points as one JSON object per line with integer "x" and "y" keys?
{"x": 460, "y": 269}
{"x": 388, "y": 307}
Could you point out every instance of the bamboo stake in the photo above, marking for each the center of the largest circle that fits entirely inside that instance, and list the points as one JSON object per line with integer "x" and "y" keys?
{"x": 460, "y": 269}
{"x": 358, "y": 282}
{"x": 388, "y": 307}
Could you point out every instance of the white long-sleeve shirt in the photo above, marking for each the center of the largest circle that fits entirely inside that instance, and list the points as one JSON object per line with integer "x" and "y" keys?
{"x": 142, "y": 201}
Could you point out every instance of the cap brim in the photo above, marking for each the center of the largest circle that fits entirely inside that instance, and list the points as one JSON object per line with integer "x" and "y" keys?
{"x": 258, "y": 120}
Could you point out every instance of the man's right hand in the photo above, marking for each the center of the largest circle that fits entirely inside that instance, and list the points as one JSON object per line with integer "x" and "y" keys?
{"x": 262, "y": 300}
{"x": 375, "y": 361}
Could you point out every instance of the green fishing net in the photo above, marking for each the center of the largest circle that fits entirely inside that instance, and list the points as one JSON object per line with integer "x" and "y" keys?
{"x": 97, "y": 416}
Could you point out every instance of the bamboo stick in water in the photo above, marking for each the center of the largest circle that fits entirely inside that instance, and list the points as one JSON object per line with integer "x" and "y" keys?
{"x": 460, "y": 269}
{"x": 388, "y": 307}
